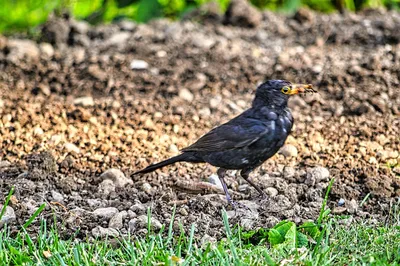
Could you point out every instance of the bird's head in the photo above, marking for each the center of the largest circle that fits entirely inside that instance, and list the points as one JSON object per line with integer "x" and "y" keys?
{"x": 277, "y": 92}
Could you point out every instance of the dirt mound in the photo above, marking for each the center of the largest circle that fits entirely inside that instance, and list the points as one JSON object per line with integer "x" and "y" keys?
{"x": 125, "y": 95}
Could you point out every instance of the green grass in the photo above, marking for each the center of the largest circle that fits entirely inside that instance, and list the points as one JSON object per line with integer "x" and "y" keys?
{"x": 328, "y": 241}
{"x": 25, "y": 15}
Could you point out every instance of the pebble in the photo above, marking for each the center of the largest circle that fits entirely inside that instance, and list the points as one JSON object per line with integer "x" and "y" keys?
{"x": 173, "y": 149}
{"x": 215, "y": 102}
{"x": 205, "y": 112}
{"x": 352, "y": 206}
{"x": 241, "y": 13}
{"x": 93, "y": 202}
{"x": 154, "y": 222}
{"x": 1, "y": 103}
{"x": 4, "y": 164}
{"x": 118, "y": 38}
{"x": 339, "y": 210}
{"x": 141, "y": 222}
{"x": 146, "y": 187}
{"x": 46, "y": 49}
{"x": 138, "y": 208}
{"x": 117, "y": 221}
{"x": 202, "y": 41}
{"x": 139, "y": 65}
{"x": 206, "y": 239}
{"x": 8, "y": 217}
{"x": 38, "y": 131}
{"x": 56, "y": 196}
{"x": 186, "y": 95}
{"x": 84, "y": 101}
{"x": 101, "y": 232}
{"x": 107, "y": 212}
{"x": 107, "y": 186}
{"x": 271, "y": 191}
{"x": 289, "y": 150}
{"x": 117, "y": 177}
{"x": 19, "y": 49}
{"x": 96, "y": 72}
{"x": 289, "y": 172}
{"x": 72, "y": 148}
{"x": 341, "y": 202}
{"x": 214, "y": 179}
{"x": 183, "y": 211}
{"x": 320, "y": 174}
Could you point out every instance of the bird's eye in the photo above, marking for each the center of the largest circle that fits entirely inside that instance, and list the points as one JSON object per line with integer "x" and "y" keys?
{"x": 285, "y": 89}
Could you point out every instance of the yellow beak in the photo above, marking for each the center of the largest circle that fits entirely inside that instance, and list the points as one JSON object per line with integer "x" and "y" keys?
{"x": 302, "y": 88}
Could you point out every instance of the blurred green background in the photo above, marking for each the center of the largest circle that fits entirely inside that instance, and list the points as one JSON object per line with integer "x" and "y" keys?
{"x": 22, "y": 15}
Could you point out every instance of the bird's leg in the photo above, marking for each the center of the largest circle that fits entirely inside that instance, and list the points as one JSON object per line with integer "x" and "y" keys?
{"x": 221, "y": 173}
{"x": 245, "y": 174}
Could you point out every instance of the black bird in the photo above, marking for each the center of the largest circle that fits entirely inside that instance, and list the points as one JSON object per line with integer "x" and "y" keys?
{"x": 248, "y": 140}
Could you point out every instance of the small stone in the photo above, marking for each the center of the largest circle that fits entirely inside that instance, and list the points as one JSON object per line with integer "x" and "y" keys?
{"x": 138, "y": 208}
{"x": 271, "y": 191}
{"x": 289, "y": 172}
{"x": 352, "y": 206}
{"x": 8, "y": 217}
{"x": 341, "y": 202}
{"x": 395, "y": 169}
{"x": 80, "y": 26}
{"x": 19, "y": 49}
{"x": 84, "y": 101}
{"x": 186, "y": 95}
{"x": 96, "y": 72}
{"x": 127, "y": 25}
{"x": 139, "y": 65}
{"x": 202, "y": 41}
{"x": 231, "y": 214}
{"x": 241, "y": 13}
{"x": 214, "y": 179}
{"x": 339, "y": 210}
{"x": 38, "y": 131}
{"x": 161, "y": 53}
{"x": 106, "y": 213}
{"x": 206, "y": 239}
{"x": 117, "y": 176}
{"x": 118, "y": 38}
{"x": 71, "y": 148}
{"x": 93, "y": 203}
{"x": 184, "y": 212}
{"x": 46, "y": 49}
{"x": 372, "y": 160}
{"x": 101, "y": 232}
{"x": 56, "y": 196}
{"x": 215, "y": 102}
{"x": 4, "y": 164}
{"x": 142, "y": 221}
{"x": 107, "y": 186}
{"x": 320, "y": 174}
{"x": 289, "y": 150}
{"x": 146, "y": 187}
{"x": 173, "y": 149}
{"x": 1, "y": 103}
{"x": 117, "y": 221}
{"x": 205, "y": 112}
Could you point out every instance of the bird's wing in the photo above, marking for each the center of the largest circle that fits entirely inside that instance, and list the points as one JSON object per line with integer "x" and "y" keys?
{"x": 232, "y": 135}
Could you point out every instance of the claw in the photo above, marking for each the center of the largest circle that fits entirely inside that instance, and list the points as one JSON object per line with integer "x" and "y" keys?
{"x": 237, "y": 205}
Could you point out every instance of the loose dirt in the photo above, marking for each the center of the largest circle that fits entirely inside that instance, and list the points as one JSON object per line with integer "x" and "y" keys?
{"x": 79, "y": 100}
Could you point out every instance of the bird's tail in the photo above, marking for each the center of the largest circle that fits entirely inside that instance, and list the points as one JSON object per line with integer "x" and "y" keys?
{"x": 179, "y": 158}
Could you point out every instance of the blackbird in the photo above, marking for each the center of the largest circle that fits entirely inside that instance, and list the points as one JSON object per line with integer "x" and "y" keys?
{"x": 249, "y": 139}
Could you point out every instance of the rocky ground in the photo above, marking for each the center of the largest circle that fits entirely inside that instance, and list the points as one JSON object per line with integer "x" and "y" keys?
{"x": 82, "y": 107}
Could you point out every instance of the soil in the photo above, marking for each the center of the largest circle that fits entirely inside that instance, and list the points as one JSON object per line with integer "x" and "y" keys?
{"x": 75, "y": 103}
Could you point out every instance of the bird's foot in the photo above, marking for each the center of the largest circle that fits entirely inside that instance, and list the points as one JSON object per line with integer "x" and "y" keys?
{"x": 263, "y": 196}
{"x": 237, "y": 205}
